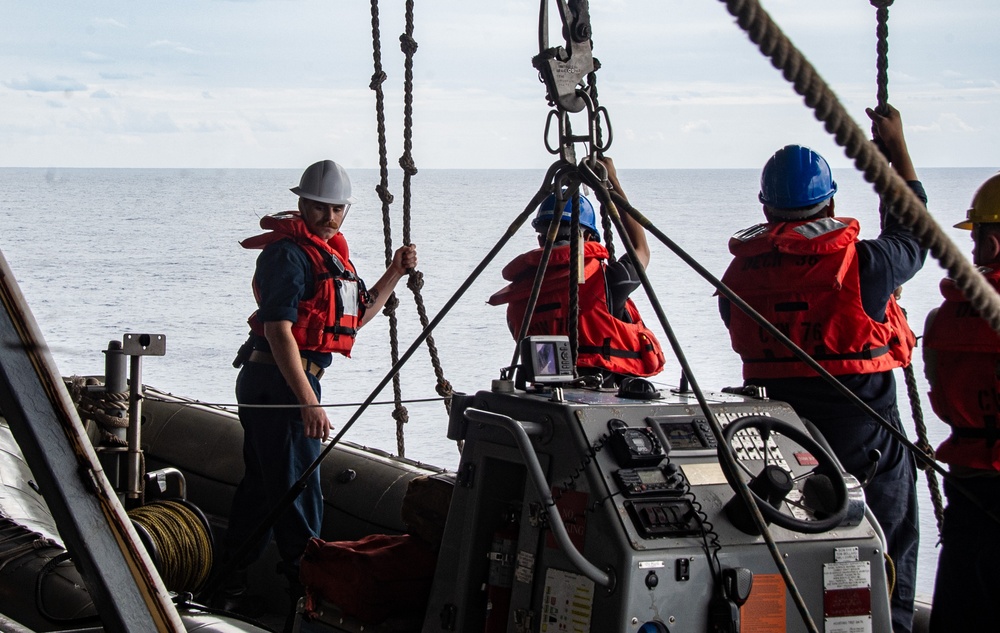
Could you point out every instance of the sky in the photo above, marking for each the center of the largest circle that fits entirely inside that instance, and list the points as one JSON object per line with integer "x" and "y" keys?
{"x": 282, "y": 83}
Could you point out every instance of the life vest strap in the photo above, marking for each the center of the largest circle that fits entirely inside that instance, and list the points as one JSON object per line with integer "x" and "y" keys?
{"x": 991, "y": 434}
{"x": 337, "y": 330}
{"x": 607, "y": 351}
{"x": 866, "y": 354}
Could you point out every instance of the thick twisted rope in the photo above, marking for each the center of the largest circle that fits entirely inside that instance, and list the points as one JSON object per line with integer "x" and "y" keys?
{"x": 882, "y": 99}
{"x": 574, "y": 277}
{"x": 96, "y": 407}
{"x": 903, "y": 203}
{"x": 416, "y": 278}
{"x": 378, "y": 78}
{"x": 924, "y": 445}
{"x": 882, "y": 52}
{"x": 415, "y": 281}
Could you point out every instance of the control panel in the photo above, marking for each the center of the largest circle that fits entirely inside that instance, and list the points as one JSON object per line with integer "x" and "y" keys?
{"x": 629, "y": 492}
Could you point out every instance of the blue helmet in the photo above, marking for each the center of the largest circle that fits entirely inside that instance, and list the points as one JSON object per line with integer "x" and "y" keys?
{"x": 588, "y": 218}
{"x": 796, "y": 178}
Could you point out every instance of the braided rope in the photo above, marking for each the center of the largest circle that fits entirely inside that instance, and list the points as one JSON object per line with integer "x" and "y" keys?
{"x": 182, "y": 542}
{"x": 902, "y": 202}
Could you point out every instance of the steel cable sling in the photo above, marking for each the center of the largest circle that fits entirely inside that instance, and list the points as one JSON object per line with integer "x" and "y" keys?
{"x": 912, "y": 391}
{"x": 415, "y": 281}
{"x": 557, "y": 71}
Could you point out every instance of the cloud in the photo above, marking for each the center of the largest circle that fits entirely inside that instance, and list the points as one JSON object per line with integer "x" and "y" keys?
{"x": 264, "y": 124}
{"x": 52, "y": 103}
{"x": 948, "y": 122}
{"x": 174, "y": 46}
{"x": 131, "y": 122}
{"x": 38, "y": 84}
{"x": 697, "y": 127}
{"x": 101, "y": 94}
{"x": 108, "y": 22}
{"x": 95, "y": 58}
{"x": 207, "y": 127}
{"x": 118, "y": 76}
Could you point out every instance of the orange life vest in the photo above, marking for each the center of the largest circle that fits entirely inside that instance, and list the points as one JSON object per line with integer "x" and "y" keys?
{"x": 966, "y": 389}
{"x": 803, "y": 278}
{"x": 328, "y": 321}
{"x": 605, "y": 341}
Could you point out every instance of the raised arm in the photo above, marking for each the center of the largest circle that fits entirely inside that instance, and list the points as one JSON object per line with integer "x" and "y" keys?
{"x": 636, "y": 233}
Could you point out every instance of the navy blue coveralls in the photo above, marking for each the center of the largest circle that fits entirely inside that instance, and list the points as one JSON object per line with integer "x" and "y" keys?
{"x": 275, "y": 449}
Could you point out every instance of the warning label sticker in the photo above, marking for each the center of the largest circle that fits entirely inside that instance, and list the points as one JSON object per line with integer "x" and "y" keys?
{"x": 847, "y": 597}
{"x": 848, "y": 625}
{"x": 567, "y": 602}
{"x": 847, "y": 575}
{"x": 764, "y": 611}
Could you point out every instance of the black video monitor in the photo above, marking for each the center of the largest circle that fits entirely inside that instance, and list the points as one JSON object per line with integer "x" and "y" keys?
{"x": 547, "y": 359}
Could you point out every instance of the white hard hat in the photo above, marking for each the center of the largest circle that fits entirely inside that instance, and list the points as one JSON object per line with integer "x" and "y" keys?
{"x": 326, "y": 182}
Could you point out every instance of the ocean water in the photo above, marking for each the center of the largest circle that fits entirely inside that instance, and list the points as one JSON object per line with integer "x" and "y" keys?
{"x": 101, "y": 252}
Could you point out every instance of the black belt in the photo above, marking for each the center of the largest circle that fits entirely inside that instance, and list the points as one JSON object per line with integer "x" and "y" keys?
{"x": 258, "y": 356}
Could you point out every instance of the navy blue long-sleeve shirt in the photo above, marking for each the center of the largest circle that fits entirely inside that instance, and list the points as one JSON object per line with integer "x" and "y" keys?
{"x": 884, "y": 264}
{"x": 283, "y": 277}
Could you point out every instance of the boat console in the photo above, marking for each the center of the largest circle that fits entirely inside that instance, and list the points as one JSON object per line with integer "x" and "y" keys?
{"x": 595, "y": 510}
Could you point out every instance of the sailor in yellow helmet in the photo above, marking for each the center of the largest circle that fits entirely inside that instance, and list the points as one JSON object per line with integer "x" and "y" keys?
{"x": 961, "y": 361}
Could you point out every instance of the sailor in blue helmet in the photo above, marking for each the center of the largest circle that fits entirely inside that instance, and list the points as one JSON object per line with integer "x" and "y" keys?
{"x": 310, "y": 304}
{"x": 613, "y": 341}
{"x": 834, "y": 295}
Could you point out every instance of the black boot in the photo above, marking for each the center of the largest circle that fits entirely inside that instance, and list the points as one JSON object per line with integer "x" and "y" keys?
{"x": 234, "y": 597}
{"x": 296, "y": 591}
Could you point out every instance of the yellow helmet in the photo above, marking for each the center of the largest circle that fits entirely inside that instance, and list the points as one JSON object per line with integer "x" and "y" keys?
{"x": 985, "y": 204}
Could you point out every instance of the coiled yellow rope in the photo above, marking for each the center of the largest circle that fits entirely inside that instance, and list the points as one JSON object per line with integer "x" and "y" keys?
{"x": 182, "y": 542}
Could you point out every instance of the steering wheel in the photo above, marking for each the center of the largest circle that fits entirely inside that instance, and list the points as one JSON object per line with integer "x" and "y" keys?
{"x": 763, "y": 481}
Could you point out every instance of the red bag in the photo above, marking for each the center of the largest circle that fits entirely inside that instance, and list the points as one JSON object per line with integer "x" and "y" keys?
{"x": 381, "y": 576}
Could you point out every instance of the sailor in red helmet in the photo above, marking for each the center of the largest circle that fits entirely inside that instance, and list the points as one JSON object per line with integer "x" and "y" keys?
{"x": 613, "y": 341}
{"x": 962, "y": 364}
{"x": 311, "y": 303}
{"x": 833, "y": 295}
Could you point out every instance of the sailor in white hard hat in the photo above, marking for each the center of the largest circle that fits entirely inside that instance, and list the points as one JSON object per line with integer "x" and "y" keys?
{"x": 311, "y": 302}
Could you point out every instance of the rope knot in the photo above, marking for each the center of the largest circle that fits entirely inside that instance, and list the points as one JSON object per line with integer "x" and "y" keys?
{"x": 409, "y": 167}
{"x": 390, "y": 305}
{"x": 444, "y": 388}
{"x": 416, "y": 281}
{"x": 928, "y": 450}
{"x": 383, "y": 194}
{"x": 880, "y": 4}
{"x": 407, "y": 44}
{"x": 401, "y": 415}
{"x": 378, "y": 79}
